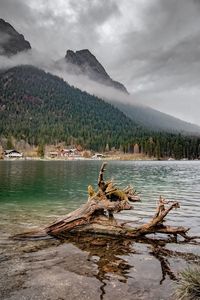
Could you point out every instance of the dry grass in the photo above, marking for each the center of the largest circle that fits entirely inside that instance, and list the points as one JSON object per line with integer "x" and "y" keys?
{"x": 189, "y": 285}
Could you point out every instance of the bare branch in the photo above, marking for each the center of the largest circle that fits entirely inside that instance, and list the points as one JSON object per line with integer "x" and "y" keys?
{"x": 96, "y": 215}
{"x": 101, "y": 183}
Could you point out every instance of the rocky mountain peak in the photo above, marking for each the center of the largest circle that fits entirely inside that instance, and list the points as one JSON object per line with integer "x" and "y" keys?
{"x": 11, "y": 41}
{"x": 86, "y": 63}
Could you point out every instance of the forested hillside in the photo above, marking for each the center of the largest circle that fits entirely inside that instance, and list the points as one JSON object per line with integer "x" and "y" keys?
{"x": 156, "y": 120}
{"x": 43, "y": 109}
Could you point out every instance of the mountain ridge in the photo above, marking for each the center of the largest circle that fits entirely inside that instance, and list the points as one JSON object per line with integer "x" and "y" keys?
{"x": 12, "y": 42}
{"x": 84, "y": 62}
{"x": 39, "y": 106}
{"x": 157, "y": 120}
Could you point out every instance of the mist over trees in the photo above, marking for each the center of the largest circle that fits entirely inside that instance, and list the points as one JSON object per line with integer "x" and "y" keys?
{"x": 43, "y": 109}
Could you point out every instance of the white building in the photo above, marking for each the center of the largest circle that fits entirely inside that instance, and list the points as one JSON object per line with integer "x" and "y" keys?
{"x": 97, "y": 156}
{"x": 12, "y": 154}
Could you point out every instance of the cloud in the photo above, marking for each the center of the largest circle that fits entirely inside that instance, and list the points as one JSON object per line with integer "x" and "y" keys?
{"x": 30, "y": 57}
{"x": 4, "y": 39}
{"x": 151, "y": 46}
{"x": 55, "y": 26}
{"x": 41, "y": 60}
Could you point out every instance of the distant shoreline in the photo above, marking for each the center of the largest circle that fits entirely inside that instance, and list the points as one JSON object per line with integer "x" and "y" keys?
{"x": 112, "y": 158}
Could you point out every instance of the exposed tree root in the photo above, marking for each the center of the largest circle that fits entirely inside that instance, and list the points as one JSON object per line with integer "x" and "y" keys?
{"x": 96, "y": 216}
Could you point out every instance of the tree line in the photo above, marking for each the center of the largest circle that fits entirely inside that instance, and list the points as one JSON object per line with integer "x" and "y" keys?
{"x": 41, "y": 108}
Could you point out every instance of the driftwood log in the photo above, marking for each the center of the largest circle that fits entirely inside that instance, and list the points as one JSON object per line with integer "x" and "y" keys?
{"x": 94, "y": 229}
{"x": 96, "y": 216}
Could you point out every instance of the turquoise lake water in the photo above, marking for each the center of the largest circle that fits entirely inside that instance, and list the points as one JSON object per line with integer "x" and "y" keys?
{"x": 35, "y": 193}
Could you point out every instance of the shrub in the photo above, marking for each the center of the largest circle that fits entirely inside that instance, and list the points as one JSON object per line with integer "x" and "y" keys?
{"x": 189, "y": 284}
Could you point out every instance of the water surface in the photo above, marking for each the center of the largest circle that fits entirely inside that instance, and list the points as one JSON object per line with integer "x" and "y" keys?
{"x": 35, "y": 193}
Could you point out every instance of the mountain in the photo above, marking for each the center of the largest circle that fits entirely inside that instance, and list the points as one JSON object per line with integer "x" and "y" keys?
{"x": 84, "y": 62}
{"x": 11, "y": 42}
{"x": 156, "y": 120}
{"x": 40, "y": 107}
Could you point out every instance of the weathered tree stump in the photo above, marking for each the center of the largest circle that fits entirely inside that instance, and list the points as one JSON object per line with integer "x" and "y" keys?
{"x": 96, "y": 216}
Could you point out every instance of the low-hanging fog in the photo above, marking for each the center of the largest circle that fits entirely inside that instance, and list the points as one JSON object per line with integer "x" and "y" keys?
{"x": 42, "y": 61}
{"x": 151, "y": 46}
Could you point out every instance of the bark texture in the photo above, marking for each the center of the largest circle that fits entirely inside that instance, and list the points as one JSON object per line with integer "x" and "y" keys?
{"x": 96, "y": 216}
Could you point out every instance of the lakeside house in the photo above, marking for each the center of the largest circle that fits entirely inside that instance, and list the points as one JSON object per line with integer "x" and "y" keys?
{"x": 98, "y": 156}
{"x": 70, "y": 153}
{"x": 53, "y": 154}
{"x": 12, "y": 153}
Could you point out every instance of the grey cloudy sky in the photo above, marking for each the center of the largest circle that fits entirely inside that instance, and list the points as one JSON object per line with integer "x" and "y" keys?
{"x": 152, "y": 46}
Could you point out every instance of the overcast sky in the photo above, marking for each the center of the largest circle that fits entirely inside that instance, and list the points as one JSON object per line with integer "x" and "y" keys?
{"x": 151, "y": 46}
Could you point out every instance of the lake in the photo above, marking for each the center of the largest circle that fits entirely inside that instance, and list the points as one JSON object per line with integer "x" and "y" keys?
{"x": 35, "y": 193}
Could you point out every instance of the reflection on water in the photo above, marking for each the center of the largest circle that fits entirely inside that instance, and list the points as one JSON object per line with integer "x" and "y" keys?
{"x": 107, "y": 254}
{"x": 112, "y": 255}
{"x": 34, "y": 194}
{"x": 91, "y": 268}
